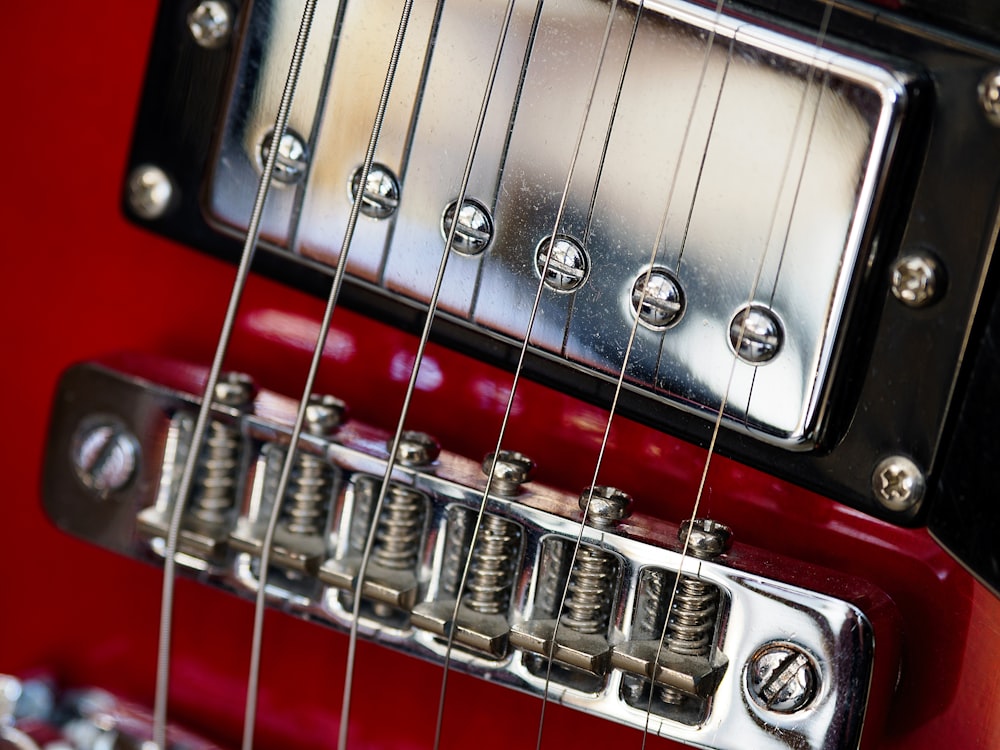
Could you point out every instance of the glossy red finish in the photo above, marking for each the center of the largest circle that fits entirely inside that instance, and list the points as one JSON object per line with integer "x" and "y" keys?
{"x": 80, "y": 282}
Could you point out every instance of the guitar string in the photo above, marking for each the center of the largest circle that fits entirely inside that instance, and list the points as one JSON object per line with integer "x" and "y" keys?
{"x": 817, "y": 46}
{"x": 619, "y": 384}
{"x": 162, "y": 685}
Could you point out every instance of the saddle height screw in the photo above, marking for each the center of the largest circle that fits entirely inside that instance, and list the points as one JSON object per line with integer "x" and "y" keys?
{"x": 755, "y": 334}
{"x": 782, "y": 678}
{"x": 916, "y": 280}
{"x": 569, "y": 266}
{"x": 307, "y": 497}
{"x": 989, "y": 97}
{"x": 608, "y": 506}
{"x": 510, "y": 470}
{"x": 898, "y": 483}
{"x": 105, "y": 456}
{"x": 381, "y": 194}
{"x": 210, "y": 23}
{"x": 662, "y": 305}
{"x": 417, "y": 449}
{"x": 475, "y": 227}
{"x": 149, "y": 192}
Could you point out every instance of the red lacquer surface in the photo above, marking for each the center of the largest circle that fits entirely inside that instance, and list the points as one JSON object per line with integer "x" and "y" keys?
{"x": 80, "y": 282}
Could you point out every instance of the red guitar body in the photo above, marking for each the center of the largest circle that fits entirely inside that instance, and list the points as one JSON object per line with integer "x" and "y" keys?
{"x": 81, "y": 282}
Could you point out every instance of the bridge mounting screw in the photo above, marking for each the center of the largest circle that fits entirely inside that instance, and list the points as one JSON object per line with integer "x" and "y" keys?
{"x": 417, "y": 449}
{"x": 510, "y": 471}
{"x": 989, "y": 96}
{"x": 105, "y": 455}
{"x": 898, "y": 483}
{"x": 292, "y": 159}
{"x": 708, "y": 538}
{"x": 381, "y": 194}
{"x": 607, "y": 506}
{"x": 658, "y": 301}
{"x": 782, "y": 678}
{"x": 916, "y": 279}
{"x": 755, "y": 334}
{"x": 149, "y": 192}
{"x": 210, "y": 23}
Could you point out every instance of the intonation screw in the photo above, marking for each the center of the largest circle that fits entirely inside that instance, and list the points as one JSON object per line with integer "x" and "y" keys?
{"x": 663, "y": 303}
{"x": 569, "y": 266}
{"x": 607, "y": 506}
{"x": 989, "y": 96}
{"x": 708, "y": 538}
{"x": 417, "y": 449}
{"x": 755, "y": 334}
{"x": 381, "y": 195}
{"x": 475, "y": 227}
{"x": 782, "y": 678}
{"x": 898, "y": 483}
{"x": 291, "y": 161}
{"x": 149, "y": 192}
{"x": 510, "y": 471}
{"x": 210, "y": 23}
{"x": 916, "y": 279}
{"x": 105, "y": 455}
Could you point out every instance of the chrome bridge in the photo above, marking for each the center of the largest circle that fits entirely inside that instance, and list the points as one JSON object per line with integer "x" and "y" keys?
{"x": 740, "y": 660}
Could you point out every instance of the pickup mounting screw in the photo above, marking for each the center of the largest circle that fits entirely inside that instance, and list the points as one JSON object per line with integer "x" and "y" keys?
{"x": 105, "y": 455}
{"x": 210, "y": 23}
{"x": 149, "y": 192}
{"x": 510, "y": 470}
{"x": 568, "y": 267}
{"x": 381, "y": 194}
{"x": 475, "y": 227}
{"x": 916, "y": 280}
{"x": 989, "y": 96}
{"x": 659, "y": 301}
{"x": 755, "y": 334}
{"x": 782, "y": 678}
{"x": 290, "y": 164}
{"x": 898, "y": 483}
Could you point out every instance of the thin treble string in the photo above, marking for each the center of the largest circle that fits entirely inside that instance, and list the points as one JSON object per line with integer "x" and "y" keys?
{"x": 820, "y": 40}
{"x": 201, "y": 422}
{"x": 635, "y": 325}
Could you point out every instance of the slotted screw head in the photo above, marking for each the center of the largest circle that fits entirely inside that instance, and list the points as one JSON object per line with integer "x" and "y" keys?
{"x": 916, "y": 280}
{"x": 510, "y": 471}
{"x": 210, "y": 23}
{"x": 989, "y": 96}
{"x": 755, "y": 334}
{"x": 608, "y": 505}
{"x": 381, "y": 195}
{"x": 898, "y": 483}
{"x": 569, "y": 266}
{"x": 234, "y": 389}
{"x": 324, "y": 414}
{"x": 149, "y": 192}
{"x": 417, "y": 449}
{"x": 708, "y": 538}
{"x": 662, "y": 305}
{"x": 292, "y": 159}
{"x": 782, "y": 678}
{"x": 105, "y": 455}
{"x": 474, "y": 230}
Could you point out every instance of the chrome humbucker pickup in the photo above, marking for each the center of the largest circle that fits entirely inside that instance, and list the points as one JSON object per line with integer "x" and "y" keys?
{"x": 733, "y": 659}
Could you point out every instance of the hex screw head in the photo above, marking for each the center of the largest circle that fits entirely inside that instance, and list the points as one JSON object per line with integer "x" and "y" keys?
{"x": 708, "y": 538}
{"x": 149, "y": 192}
{"x": 417, "y": 449}
{"x": 898, "y": 483}
{"x": 324, "y": 414}
{"x": 510, "y": 470}
{"x": 782, "y": 678}
{"x": 210, "y": 23}
{"x": 989, "y": 96}
{"x": 916, "y": 279}
{"x": 105, "y": 455}
{"x": 755, "y": 334}
{"x": 381, "y": 194}
{"x": 607, "y": 506}
{"x": 568, "y": 267}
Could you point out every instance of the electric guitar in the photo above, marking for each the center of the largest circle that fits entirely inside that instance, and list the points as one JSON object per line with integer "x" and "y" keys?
{"x": 753, "y": 239}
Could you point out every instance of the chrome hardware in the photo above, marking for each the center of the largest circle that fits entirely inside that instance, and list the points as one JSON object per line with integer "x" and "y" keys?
{"x": 510, "y": 470}
{"x": 569, "y": 266}
{"x": 105, "y": 455}
{"x": 381, "y": 195}
{"x": 210, "y": 23}
{"x": 149, "y": 192}
{"x": 989, "y": 96}
{"x": 475, "y": 227}
{"x": 662, "y": 305}
{"x": 417, "y": 449}
{"x": 705, "y": 538}
{"x": 916, "y": 279}
{"x": 782, "y": 678}
{"x": 898, "y": 483}
{"x": 605, "y": 506}
{"x": 604, "y": 649}
{"x": 755, "y": 335}
{"x": 292, "y": 160}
